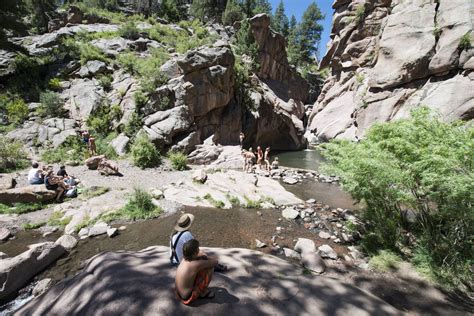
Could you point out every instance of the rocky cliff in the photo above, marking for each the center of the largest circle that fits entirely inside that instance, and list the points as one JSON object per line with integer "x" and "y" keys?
{"x": 388, "y": 56}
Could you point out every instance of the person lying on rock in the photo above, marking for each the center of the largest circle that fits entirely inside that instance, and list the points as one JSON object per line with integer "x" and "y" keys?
{"x": 55, "y": 183}
{"x": 180, "y": 236}
{"x": 194, "y": 274}
{"x": 35, "y": 175}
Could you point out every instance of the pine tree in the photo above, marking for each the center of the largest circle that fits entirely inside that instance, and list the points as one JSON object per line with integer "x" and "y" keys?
{"x": 309, "y": 33}
{"x": 208, "y": 9}
{"x": 293, "y": 24}
{"x": 280, "y": 21}
{"x": 262, "y": 6}
{"x": 232, "y": 13}
{"x": 293, "y": 49}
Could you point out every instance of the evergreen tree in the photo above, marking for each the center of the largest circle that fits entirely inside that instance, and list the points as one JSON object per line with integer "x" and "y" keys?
{"x": 262, "y": 6}
{"x": 208, "y": 9}
{"x": 309, "y": 33}
{"x": 293, "y": 24}
{"x": 232, "y": 13}
{"x": 42, "y": 11}
{"x": 293, "y": 49}
{"x": 280, "y": 21}
{"x": 169, "y": 10}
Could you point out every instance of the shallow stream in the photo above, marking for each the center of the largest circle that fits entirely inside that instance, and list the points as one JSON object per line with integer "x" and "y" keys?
{"x": 213, "y": 227}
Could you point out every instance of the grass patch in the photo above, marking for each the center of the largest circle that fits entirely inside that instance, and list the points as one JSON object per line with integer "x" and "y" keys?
{"x": 214, "y": 202}
{"x": 139, "y": 206}
{"x": 58, "y": 219}
{"x": 29, "y": 226}
{"x": 20, "y": 208}
{"x": 385, "y": 260}
{"x": 93, "y": 192}
{"x": 465, "y": 42}
{"x": 233, "y": 200}
{"x": 86, "y": 221}
{"x": 257, "y": 203}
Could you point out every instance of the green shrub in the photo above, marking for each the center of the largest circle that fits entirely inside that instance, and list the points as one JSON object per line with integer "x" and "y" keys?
{"x": 129, "y": 31}
{"x": 139, "y": 206}
{"x": 101, "y": 120}
{"x": 421, "y": 164}
{"x": 86, "y": 222}
{"x": 83, "y": 51}
{"x": 465, "y": 41}
{"x": 178, "y": 160}
{"x": 144, "y": 153}
{"x": 359, "y": 13}
{"x": 72, "y": 151}
{"x": 51, "y": 104}
{"x": 140, "y": 99}
{"x": 54, "y": 84}
{"x": 105, "y": 82}
{"x": 12, "y": 155}
{"x": 233, "y": 200}
{"x": 104, "y": 148}
{"x": 17, "y": 111}
{"x": 133, "y": 125}
{"x": 385, "y": 261}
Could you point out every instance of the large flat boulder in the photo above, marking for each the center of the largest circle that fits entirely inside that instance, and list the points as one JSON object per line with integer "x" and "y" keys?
{"x": 227, "y": 187}
{"x": 7, "y": 181}
{"x": 15, "y": 272}
{"x": 132, "y": 283}
{"x": 28, "y": 194}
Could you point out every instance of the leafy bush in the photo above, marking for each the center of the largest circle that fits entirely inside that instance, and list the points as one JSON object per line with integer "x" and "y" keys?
{"x": 144, "y": 153}
{"x": 104, "y": 148}
{"x": 17, "y": 111}
{"x": 465, "y": 42}
{"x": 101, "y": 120}
{"x": 178, "y": 160}
{"x": 140, "y": 206}
{"x": 72, "y": 150}
{"x": 133, "y": 125}
{"x": 54, "y": 84}
{"x": 83, "y": 51}
{"x": 420, "y": 164}
{"x": 140, "y": 99}
{"x": 105, "y": 82}
{"x": 359, "y": 13}
{"x": 129, "y": 31}
{"x": 12, "y": 155}
{"x": 51, "y": 104}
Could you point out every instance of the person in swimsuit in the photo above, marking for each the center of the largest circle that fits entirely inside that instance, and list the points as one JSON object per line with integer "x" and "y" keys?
{"x": 267, "y": 159}
{"x": 259, "y": 157}
{"x": 194, "y": 274}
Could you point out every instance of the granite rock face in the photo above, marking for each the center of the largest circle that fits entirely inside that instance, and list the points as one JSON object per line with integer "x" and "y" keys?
{"x": 255, "y": 284}
{"x": 388, "y": 56}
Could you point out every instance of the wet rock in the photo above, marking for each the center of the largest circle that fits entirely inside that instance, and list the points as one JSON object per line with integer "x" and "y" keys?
{"x": 200, "y": 176}
{"x": 327, "y": 252}
{"x": 305, "y": 245}
{"x": 324, "y": 235}
{"x": 3, "y": 255}
{"x": 5, "y": 234}
{"x": 7, "y": 181}
{"x": 121, "y": 228}
{"x": 83, "y": 233}
{"x": 15, "y": 272}
{"x": 42, "y": 286}
{"x": 290, "y": 253}
{"x": 311, "y": 201}
{"x": 112, "y": 232}
{"x": 260, "y": 244}
{"x": 27, "y": 194}
{"x": 290, "y": 213}
{"x": 99, "y": 228}
{"x": 290, "y": 180}
{"x": 68, "y": 242}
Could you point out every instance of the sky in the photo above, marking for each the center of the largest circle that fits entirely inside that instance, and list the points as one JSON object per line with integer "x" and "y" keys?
{"x": 297, "y": 7}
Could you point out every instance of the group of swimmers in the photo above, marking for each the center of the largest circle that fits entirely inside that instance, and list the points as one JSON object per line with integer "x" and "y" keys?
{"x": 258, "y": 159}
{"x": 61, "y": 182}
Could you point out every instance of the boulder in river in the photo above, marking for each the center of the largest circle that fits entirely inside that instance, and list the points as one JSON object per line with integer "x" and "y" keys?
{"x": 68, "y": 242}
{"x": 42, "y": 286}
{"x": 15, "y": 272}
{"x": 290, "y": 213}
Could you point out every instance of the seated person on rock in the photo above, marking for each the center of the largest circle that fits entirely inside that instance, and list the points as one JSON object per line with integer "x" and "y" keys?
{"x": 180, "y": 236}
{"x": 55, "y": 183}
{"x": 275, "y": 163}
{"x": 35, "y": 175}
{"x": 194, "y": 274}
{"x": 71, "y": 181}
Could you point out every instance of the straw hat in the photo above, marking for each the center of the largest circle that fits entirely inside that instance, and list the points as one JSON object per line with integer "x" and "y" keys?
{"x": 184, "y": 222}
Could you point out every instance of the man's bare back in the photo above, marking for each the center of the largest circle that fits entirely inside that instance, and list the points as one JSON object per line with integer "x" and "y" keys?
{"x": 194, "y": 273}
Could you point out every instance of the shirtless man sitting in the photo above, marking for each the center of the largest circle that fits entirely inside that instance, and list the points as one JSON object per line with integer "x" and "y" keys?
{"x": 194, "y": 274}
